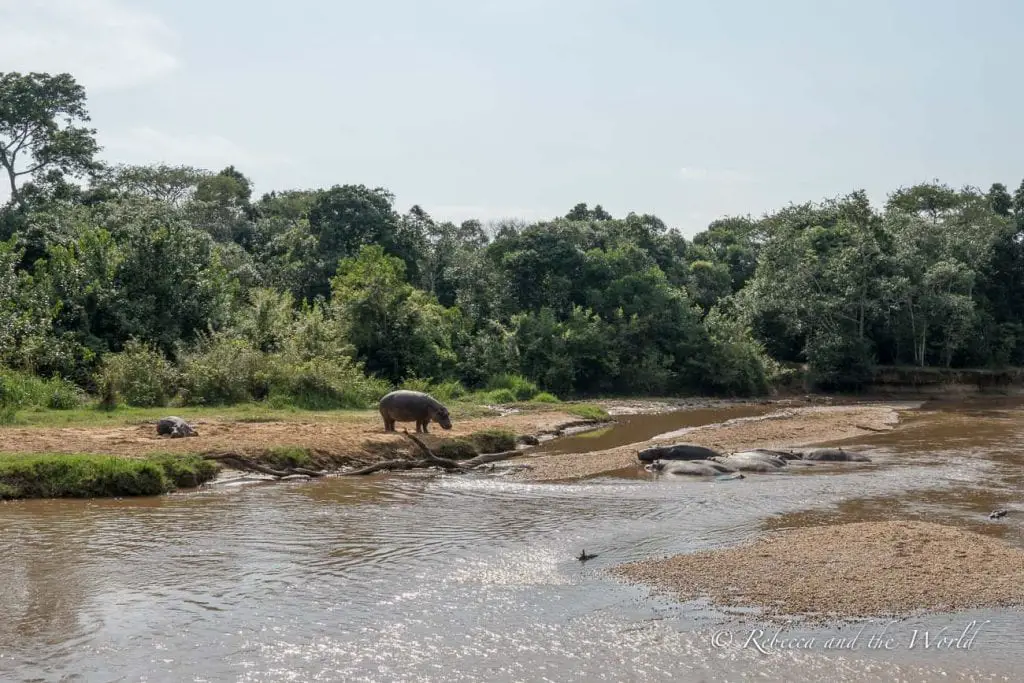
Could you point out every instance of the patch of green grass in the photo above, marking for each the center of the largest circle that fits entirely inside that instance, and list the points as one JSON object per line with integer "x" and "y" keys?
{"x": 62, "y": 475}
{"x": 587, "y": 411}
{"x": 493, "y": 440}
{"x": 285, "y": 457}
{"x": 456, "y": 449}
{"x": 186, "y": 471}
{"x": 93, "y": 415}
{"x": 545, "y": 397}
{"x": 518, "y": 386}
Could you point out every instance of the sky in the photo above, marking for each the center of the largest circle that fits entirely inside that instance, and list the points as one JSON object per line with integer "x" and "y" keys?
{"x": 497, "y": 109}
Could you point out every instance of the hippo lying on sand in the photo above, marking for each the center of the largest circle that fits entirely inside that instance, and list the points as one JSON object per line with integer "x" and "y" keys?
{"x": 752, "y": 461}
{"x": 174, "y": 427}
{"x": 413, "y": 406}
{"x": 693, "y": 468}
{"x": 679, "y": 451}
{"x": 835, "y": 455}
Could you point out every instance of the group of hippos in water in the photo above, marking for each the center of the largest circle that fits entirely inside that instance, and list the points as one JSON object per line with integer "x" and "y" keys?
{"x": 700, "y": 461}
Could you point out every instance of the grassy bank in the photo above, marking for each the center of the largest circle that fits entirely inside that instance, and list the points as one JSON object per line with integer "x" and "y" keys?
{"x": 82, "y": 475}
{"x": 92, "y": 416}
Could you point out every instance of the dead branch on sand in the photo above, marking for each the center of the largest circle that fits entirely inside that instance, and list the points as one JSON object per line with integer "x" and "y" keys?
{"x": 430, "y": 459}
{"x": 241, "y": 462}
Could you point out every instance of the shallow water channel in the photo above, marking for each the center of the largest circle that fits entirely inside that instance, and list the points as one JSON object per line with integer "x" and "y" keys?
{"x": 454, "y": 578}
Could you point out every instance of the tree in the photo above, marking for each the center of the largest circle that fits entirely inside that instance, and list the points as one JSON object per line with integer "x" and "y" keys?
{"x": 160, "y": 182}
{"x": 999, "y": 199}
{"x": 39, "y": 114}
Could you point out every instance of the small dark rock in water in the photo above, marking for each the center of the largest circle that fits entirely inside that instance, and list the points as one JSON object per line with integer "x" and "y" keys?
{"x": 584, "y": 557}
{"x": 528, "y": 440}
{"x": 174, "y": 427}
{"x": 997, "y": 514}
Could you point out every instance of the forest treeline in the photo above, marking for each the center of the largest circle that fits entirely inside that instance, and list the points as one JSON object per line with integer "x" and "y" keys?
{"x": 147, "y": 284}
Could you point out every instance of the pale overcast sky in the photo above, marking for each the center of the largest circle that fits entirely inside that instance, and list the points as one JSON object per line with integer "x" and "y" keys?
{"x": 501, "y": 108}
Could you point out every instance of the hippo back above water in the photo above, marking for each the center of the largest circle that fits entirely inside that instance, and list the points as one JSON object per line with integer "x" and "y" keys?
{"x": 413, "y": 406}
{"x": 679, "y": 451}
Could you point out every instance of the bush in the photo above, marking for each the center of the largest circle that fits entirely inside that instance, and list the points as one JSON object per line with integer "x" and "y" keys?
{"x": 20, "y": 390}
{"x": 456, "y": 449}
{"x": 322, "y": 384}
{"x": 493, "y": 440}
{"x": 499, "y": 396}
{"x": 545, "y": 397}
{"x": 223, "y": 370}
{"x": 838, "y": 363}
{"x": 521, "y": 388}
{"x": 139, "y": 375}
{"x": 186, "y": 471}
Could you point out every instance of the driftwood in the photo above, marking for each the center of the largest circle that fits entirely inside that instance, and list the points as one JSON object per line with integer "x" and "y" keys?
{"x": 430, "y": 459}
{"x": 242, "y": 462}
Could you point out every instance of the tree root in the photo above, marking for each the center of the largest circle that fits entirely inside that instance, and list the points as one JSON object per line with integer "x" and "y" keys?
{"x": 430, "y": 459}
{"x": 242, "y": 462}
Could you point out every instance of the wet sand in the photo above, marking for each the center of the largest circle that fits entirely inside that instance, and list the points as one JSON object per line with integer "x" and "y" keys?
{"x": 784, "y": 428}
{"x": 866, "y": 569}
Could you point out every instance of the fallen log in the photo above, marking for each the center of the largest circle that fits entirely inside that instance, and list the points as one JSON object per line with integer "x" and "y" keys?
{"x": 430, "y": 459}
{"x": 242, "y": 462}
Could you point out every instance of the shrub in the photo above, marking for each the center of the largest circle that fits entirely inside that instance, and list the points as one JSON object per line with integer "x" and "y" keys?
{"x": 186, "y": 471}
{"x": 448, "y": 391}
{"x": 456, "y": 449}
{"x": 545, "y": 397}
{"x": 223, "y": 370}
{"x": 322, "y": 384}
{"x": 19, "y": 390}
{"x": 493, "y": 440}
{"x": 521, "y": 388}
{"x": 139, "y": 375}
{"x": 838, "y": 363}
{"x": 499, "y": 396}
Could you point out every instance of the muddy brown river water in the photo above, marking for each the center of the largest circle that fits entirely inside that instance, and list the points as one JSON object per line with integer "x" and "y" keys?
{"x": 459, "y": 578}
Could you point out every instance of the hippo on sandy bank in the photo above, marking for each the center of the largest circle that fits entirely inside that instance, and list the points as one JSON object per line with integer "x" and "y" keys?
{"x": 679, "y": 451}
{"x": 413, "y": 406}
{"x": 835, "y": 455}
{"x": 693, "y": 468}
{"x": 174, "y": 427}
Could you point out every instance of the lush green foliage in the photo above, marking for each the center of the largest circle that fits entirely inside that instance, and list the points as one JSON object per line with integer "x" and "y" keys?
{"x": 59, "y": 475}
{"x": 162, "y": 285}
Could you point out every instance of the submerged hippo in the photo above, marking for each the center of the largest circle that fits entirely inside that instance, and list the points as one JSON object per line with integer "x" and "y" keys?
{"x": 679, "y": 451}
{"x": 835, "y": 455}
{"x": 413, "y": 406}
{"x": 785, "y": 455}
{"x": 693, "y": 468}
{"x": 752, "y": 461}
{"x": 174, "y": 427}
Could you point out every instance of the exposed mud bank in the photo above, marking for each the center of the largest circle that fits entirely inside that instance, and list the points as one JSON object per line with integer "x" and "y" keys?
{"x": 867, "y": 569}
{"x": 783, "y": 428}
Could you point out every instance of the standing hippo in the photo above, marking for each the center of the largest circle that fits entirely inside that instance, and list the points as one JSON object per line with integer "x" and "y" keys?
{"x": 413, "y": 406}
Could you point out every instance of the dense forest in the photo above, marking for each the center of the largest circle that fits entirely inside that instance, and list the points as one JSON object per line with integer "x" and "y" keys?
{"x": 150, "y": 284}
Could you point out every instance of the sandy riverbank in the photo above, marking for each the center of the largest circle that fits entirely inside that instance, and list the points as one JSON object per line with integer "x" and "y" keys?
{"x": 352, "y": 439}
{"x": 868, "y": 569}
{"x": 786, "y": 427}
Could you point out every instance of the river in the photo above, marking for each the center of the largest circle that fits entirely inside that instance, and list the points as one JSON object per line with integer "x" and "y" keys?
{"x": 459, "y": 578}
